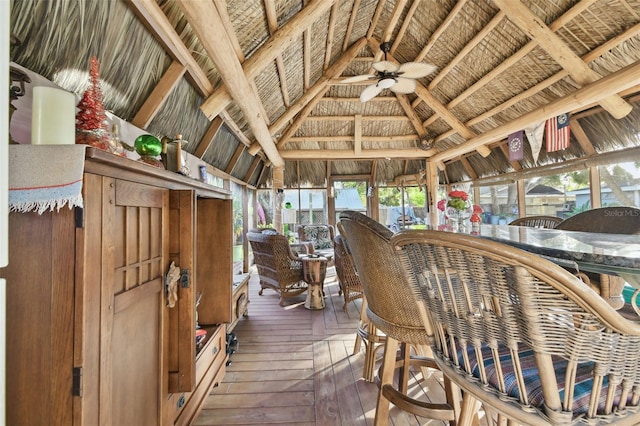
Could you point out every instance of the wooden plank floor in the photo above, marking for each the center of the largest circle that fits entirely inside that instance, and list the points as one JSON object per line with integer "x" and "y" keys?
{"x": 295, "y": 367}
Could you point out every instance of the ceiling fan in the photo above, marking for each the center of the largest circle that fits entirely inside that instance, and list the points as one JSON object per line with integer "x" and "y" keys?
{"x": 389, "y": 75}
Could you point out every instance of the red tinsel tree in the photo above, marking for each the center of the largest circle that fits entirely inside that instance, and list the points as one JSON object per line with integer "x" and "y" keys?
{"x": 91, "y": 115}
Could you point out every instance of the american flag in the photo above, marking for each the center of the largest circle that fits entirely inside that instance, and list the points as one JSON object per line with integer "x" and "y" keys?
{"x": 557, "y": 133}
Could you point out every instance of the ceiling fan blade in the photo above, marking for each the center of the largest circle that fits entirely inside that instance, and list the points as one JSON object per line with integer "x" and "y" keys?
{"x": 404, "y": 85}
{"x": 383, "y": 66}
{"x": 357, "y": 78}
{"x": 416, "y": 69}
{"x": 370, "y": 92}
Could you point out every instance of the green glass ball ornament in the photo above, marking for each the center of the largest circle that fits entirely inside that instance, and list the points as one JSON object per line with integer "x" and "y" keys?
{"x": 148, "y": 145}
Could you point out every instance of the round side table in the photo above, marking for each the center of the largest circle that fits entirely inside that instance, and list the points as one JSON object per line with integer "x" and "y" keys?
{"x": 314, "y": 269}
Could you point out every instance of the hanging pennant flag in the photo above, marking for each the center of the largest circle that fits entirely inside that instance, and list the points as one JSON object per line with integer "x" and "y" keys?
{"x": 516, "y": 148}
{"x": 558, "y": 133}
{"x": 534, "y": 136}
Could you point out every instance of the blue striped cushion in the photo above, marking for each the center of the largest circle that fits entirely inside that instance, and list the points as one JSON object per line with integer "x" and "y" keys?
{"x": 584, "y": 377}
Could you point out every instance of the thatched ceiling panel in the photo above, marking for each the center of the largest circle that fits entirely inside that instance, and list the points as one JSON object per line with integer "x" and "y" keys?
{"x": 321, "y": 128}
{"x": 346, "y": 168}
{"x": 242, "y": 166}
{"x": 390, "y": 107}
{"x": 235, "y": 113}
{"x": 613, "y": 60}
{"x": 286, "y": 9}
{"x": 253, "y": 180}
{"x": 126, "y": 51}
{"x": 387, "y": 128}
{"x": 388, "y": 144}
{"x": 250, "y": 23}
{"x": 221, "y": 150}
{"x": 304, "y": 173}
{"x": 387, "y": 170}
{"x": 172, "y": 118}
{"x": 319, "y": 46}
{"x": 363, "y": 18}
{"x": 339, "y": 33}
{"x": 293, "y": 58}
{"x": 426, "y": 19}
{"x": 268, "y": 83}
{"x": 182, "y": 27}
{"x": 455, "y": 172}
{"x": 607, "y": 135}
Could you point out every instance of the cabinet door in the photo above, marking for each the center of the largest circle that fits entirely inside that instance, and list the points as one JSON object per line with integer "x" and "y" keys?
{"x": 134, "y": 259}
{"x": 182, "y": 318}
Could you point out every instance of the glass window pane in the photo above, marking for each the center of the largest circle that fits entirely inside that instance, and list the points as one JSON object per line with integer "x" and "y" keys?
{"x": 620, "y": 184}
{"x": 499, "y": 203}
{"x": 555, "y": 195}
{"x": 238, "y": 227}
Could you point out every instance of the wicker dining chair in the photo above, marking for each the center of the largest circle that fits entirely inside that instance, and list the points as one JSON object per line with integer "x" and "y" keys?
{"x": 350, "y": 285}
{"x": 279, "y": 268}
{"x": 392, "y": 310}
{"x": 537, "y": 221}
{"x": 522, "y": 337}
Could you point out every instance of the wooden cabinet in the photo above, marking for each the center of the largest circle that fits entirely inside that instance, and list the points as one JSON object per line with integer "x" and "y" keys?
{"x": 90, "y": 339}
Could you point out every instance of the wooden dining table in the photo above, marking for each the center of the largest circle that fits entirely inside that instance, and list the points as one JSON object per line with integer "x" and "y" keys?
{"x": 611, "y": 254}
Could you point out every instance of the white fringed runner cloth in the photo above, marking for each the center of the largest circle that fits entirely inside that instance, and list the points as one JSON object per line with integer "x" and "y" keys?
{"x": 45, "y": 177}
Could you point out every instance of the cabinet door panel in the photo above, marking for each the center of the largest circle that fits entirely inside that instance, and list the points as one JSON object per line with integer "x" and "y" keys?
{"x": 134, "y": 224}
{"x": 182, "y": 319}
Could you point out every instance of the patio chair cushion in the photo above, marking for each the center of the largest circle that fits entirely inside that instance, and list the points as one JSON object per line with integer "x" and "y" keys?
{"x": 582, "y": 390}
{"x": 320, "y": 235}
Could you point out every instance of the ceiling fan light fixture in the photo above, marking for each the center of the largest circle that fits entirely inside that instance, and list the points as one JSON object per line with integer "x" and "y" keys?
{"x": 386, "y": 83}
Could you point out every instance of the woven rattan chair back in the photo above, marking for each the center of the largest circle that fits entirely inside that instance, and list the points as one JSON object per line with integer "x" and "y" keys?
{"x": 525, "y": 338}
{"x": 391, "y": 309}
{"x": 350, "y": 284}
{"x": 537, "y": 221}
{"x": 278, "y": 267}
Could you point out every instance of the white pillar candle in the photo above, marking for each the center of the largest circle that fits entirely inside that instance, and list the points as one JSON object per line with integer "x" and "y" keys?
{"x": 53, "y": 117}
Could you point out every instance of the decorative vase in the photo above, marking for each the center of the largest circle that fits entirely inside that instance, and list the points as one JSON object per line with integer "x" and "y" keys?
{"x": 149, "y": 148}
{"x": 459, "y": 216}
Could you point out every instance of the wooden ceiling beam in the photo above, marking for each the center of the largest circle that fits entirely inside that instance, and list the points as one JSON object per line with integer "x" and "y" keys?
{"x": 405, "y": 24}
{"x": 336, "y": 69}
{"x": 363, "y": 118}
{"x": 209, "y": 136}
{"x": 154, "y": 19}
{"x": 348, "y": 154}
{"x": 524, "y": 51}
{"x": 202, "y": 16}
{"x": 393, "y": 20}
{"x": 440, "y": 30}
{"x": 375, "y": 18}
{"x": 477, "y": 39}
{"x": 272, "y": 23}
{"x": 351, "y": 138}
{"x": 536, "y": 29}
{"x": 234, "y": 159}
{"x": 352, "y": 21}
{"x": 252, "y": 168}
{"x": 613, "y": 83}
{"x": 274, "y": 46}
{"x": 468, "y": 167}
{"x": 234, "y": 128}
{"x": 581, "y": 137}
{"x": 412, "y": 115}
{"x": 335, "y": 10}
{"x": 158, "y": 96}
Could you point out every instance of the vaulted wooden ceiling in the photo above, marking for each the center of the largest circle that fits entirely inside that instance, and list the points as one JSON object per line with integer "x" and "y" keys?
{"x": 269, "y": 72}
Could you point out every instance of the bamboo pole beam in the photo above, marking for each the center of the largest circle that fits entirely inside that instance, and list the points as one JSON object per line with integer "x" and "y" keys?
{"x": 154, "y": 19}
{"x": 352, "y": 20}
{"x": 274, "y": 46}
{"x": 252, "y": 168}
{"x": 393, "y": 20}
{"x": 208, "y": 137}
{"x": 351, "y": 138}
{"x": 331, "y": 33}
{"x": 613, "y": 83}
{"x": 411, "y": 113}
{"x": 320, "y": 86}
{"x": 537, "y": 30}
{"x": 272, "y": 23}
{"x": 405, "y": 24}
{"x": 202, "y": 16}
{"x": 348, "y": 154}
{"x": 581, "y": 137}
{"x": 375, "y": 18}
{"x": 440, "y": 30}
{"x": 234, "y": 159}
{"x": 159, "y": 95}
{"x": 469, "y": 168}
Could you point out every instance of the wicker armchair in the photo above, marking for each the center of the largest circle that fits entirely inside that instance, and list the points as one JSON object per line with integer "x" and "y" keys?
{"x": 350, "y": 285}
{"x": 279, "y": 268}
{"x": 607, "y": 220}
{"x": 537, "y": 221}
{"x": 520, "y": 335}
{"x": 392, "y": 310}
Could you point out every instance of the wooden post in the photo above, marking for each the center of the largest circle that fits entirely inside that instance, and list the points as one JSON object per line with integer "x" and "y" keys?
{"x": 278, "y": 188}
{"x": 432, "y": 192}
